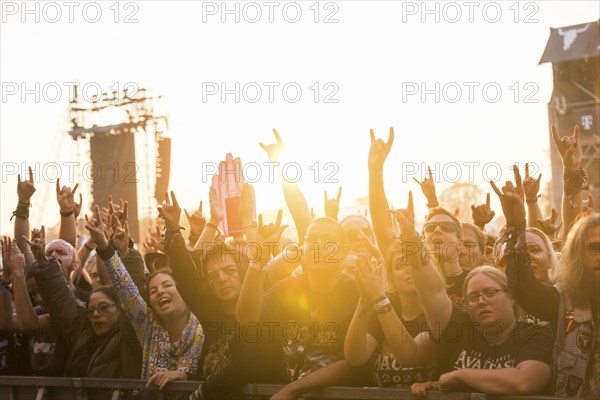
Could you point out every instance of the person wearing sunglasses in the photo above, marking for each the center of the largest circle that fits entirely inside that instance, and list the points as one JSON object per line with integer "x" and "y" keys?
{"x": 443, "y": 235}
{"x": 103, "y": 342}
{"x": 479, "y": 345}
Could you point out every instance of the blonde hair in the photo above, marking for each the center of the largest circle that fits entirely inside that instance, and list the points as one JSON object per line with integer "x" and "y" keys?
{"x": 497, "y": 275}
{"x": 571, "y": 272}
{"x": 553, "y": 267}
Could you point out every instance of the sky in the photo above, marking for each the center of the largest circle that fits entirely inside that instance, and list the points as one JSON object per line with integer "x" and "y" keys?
{"x": 459, "y": 82}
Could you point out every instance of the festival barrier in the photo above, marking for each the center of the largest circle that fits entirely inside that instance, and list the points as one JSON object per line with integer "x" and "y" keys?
{"x": 38, "y": 388}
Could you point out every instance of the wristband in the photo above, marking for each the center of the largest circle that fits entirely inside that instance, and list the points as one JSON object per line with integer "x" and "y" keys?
{"x": 433, "y": 205}
{"x": 210, "y": 224}
{"x": 532, "y": 201}
{"x": 382, "y": 306}
{"x": 67, "y": 213}
{"x": 22, "y": 211}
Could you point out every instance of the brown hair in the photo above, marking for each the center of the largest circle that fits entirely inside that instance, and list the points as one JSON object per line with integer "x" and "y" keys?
{"x": 443, "y": 211}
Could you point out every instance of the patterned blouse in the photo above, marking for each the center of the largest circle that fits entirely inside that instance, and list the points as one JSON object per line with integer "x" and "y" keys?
{"x": 159, "y": 354}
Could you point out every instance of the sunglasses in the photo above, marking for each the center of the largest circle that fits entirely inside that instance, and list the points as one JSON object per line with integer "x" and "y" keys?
{"x": 102, "y": 309}
{"x": 446, "y": 227}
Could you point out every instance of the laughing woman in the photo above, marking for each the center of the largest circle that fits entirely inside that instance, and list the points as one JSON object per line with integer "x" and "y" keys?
{"x": 170, "y": 335}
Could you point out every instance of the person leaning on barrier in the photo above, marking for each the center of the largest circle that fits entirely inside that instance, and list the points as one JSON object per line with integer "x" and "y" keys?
{"x": 384, "y": 310}
{"x": 482, "y": 347}
{"x": 572, "y": 305}
{"x": 309, "y": 314}
{"x": 170, "y": 335}
{"x": 103, "y": 343}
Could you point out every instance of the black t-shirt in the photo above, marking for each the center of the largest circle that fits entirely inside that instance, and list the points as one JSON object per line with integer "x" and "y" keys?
{"x": 454, "y": 287}
{"x": 386, "y": 369}
{"x": 463, "y": 346}
{"x": 312, "y": 336}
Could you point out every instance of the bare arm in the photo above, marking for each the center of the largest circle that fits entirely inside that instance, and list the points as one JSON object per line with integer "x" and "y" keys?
{"x": 382, "y": 222}
{"x": 294, "y": 198}
{"x": 337, "y": 374}
{"x": 250, "y": 301}
{"x": 25, "y": 190}
{"x": 528, "y": 378}
{"x": 574, "y": 177}
{"x": 66, "y": 201}
{"x": 359, "y": 346}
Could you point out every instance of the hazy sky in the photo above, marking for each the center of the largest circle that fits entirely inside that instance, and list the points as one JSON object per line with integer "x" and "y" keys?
{"x": 364, "y": 62}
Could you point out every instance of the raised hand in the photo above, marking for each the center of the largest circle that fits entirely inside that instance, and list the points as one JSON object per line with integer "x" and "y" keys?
{"x": 379, "y": 151}
{"x": 568, "y": 148}
{"x": 25, "y": 189}
{"x": 120, "y": 239}
{"x": 12, "y": 258}
{"x": 153, "y": 241}
{"x": 97, "y": 230}
{"x": 531, "y": 186}
{"x": 332, "y": 206}
{"x": 38, "y": 245}
{"x": 482, "y": 214}
{"x": 216, "y": 210}
{"x": 368, "y": 279}
{"x": 550, "y": 226}
{"x": 364, "y": 243}
{"x": 512, "y": 203}
{"x": 171, "y": 213}
{"x": 518, "y": 182}
{"x": 121, "y": 211}
{"x": 428, "y": 188}
{"x": 267, "y": 238}
{"x": 274, "y": 150}
{"x": 196, "y": 220}
{"x": 406, "y": 219}
{"x": 77, "y": 206}
{"x": 65, "y": 197}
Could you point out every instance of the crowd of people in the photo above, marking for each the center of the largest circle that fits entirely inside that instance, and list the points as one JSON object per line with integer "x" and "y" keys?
{"x": 364, "y": 301}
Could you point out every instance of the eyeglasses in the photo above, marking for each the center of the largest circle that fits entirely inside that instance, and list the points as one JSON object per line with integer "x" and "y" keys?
{"x": 489, "y": 295}
{"x": 445, "y": 226}
{"x": 102, "y": 309}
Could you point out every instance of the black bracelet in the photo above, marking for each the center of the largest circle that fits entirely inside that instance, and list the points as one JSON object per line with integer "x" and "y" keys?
{"x": 67, "y": 213}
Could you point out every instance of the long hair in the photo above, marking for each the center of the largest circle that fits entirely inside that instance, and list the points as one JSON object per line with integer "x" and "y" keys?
{"x": 111, "y": 293}
{"x": 571, "y": 272}
{"x": 553, "y": 267}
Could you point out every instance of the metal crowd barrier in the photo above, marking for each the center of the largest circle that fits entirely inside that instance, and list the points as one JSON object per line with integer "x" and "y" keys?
{"x": 38, "y": 388}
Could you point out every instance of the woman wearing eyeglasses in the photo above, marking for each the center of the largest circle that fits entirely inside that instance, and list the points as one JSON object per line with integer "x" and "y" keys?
{"x": 103, "y": 343}
{"x": 480, "y": 346}
{"x": 170, "y": 335}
